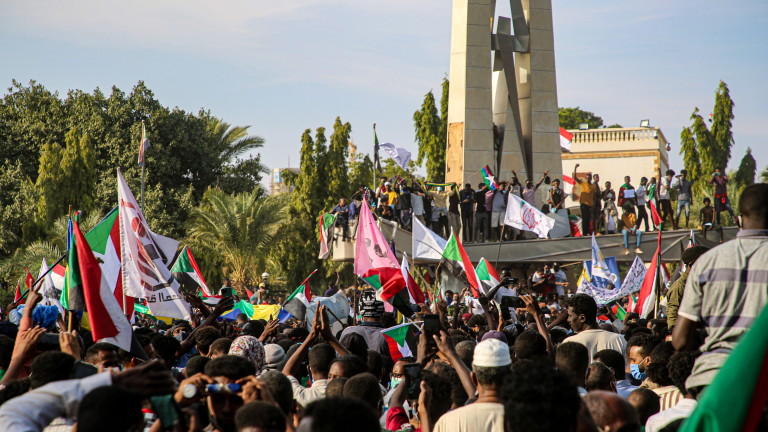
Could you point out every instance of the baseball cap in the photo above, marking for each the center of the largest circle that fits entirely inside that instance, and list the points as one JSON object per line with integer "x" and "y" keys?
{"x": 491, "y": 353}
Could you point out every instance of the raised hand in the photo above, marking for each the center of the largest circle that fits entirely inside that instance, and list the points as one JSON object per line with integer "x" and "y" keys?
{"x": 224, "y": 305}
{"x": 26, "y": 342}
{"x": 69, "y": 344}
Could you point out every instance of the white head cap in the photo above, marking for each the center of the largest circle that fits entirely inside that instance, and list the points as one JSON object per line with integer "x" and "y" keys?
{"x": 491, "y": 353}
{"x": 265, "y": 275}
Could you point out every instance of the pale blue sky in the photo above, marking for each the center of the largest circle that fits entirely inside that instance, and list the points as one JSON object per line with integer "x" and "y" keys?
{"x": 285, "y": 66}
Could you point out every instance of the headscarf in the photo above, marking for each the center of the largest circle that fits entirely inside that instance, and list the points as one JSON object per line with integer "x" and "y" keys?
{"x": 250, "y": 348}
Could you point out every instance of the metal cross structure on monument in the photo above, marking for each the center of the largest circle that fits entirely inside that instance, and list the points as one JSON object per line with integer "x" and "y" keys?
{"x": 502, "y": 105}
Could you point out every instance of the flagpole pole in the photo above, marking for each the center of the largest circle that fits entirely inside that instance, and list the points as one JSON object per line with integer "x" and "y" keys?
{"x": 373, "y": 185}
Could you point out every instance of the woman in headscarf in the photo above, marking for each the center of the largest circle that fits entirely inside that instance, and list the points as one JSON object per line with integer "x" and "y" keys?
{"x": 251, "y": 349}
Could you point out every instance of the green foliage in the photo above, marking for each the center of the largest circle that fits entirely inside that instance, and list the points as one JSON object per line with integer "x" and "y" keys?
{"x": 361, "y": 172}
{"x": 237, "y": 231}
{"x": 431, "y": 133}
{"x": 764, "y": 175}
{"x": 392, "y": 169}
{"x": 712, "y": 145}
{"x": 691, "y": 159}
{"x": 570, "y": 118}
{"x": 722, "y": 118}
{"x": 66, "y": 177}
{"x": 337, "y": 180}
{"x": 745, "y": 175}
{"x": 57, "y": 151}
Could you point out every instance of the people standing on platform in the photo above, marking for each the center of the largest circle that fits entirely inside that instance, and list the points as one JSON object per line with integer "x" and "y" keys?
{"x": 586, "y": 201}
{"x": 627, "y": 193}
{"x": 467, "y": 197}
{"x": 641, "y": 195}
{"x": 498, "y": 210}
{"x": 720, "y": 180}
{"x": 610, "y": 214}
{"x": 597, "y": 209}
{"x": 556, "y": 198}
{"x": 706, "y": 216}
{"x": 630, "y": 226}
{"x": 684, "y": 189}
{"x": 481, "y": 214}
{"x": 652, "y": 196}
{"x": 665, "y": 202}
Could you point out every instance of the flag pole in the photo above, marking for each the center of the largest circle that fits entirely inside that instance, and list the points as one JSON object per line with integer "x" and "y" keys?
{"x": 373, "y": 185}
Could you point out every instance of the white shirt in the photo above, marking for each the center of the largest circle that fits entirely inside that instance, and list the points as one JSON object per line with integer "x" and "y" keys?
{"x": 683, "y": 409}
{"x": 35, "y": 410}
{"x": 664, "y": 188}
{"x": 598, "y": 340}
{"x": 417, "y": 204}
{"x": 640, "y": 195}
{"x": 472, "y": 417}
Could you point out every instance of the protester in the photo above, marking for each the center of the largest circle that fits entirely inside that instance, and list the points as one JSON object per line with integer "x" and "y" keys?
{"x": 630, "y": 225}
{"x": 586, "y": 202}
{"x": 615, "y": 361}
{"x": 645, "y": 402}
{"x": 641, "y": 196}
{"x": 467, "y": 198}
{"x": 582, "y": 317}
{"x": 611, "y": 412}
{"x": 706, "y": 216}
{"x": 684, "y": 189}
{"x": 665, "y": 203}
{"x": 679, "y": 368}
{"x": 676, "y": 290}
{"x": 556, "y": 197}
{"x": 727, "y": 283}
{"x": 610, "y": 214}
{"x": 498, "y": 210}
{"x": 722, "y": 202}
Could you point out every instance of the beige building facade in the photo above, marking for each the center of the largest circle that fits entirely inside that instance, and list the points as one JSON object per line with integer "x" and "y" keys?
{"x": 615, "y": 153}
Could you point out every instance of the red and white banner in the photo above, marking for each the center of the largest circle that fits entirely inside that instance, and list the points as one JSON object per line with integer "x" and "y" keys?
{"x": 524, "y": 216}
{"x": 145, "y": 257}
{"x": 565, "y": 139}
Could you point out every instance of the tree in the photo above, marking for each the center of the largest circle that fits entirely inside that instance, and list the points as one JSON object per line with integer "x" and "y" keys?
{"x": 337, "y": 180}
{"x": 238, "y": 230}
{"x": 67, "y": 177}
{"x": 361, "y": 172}
{"x": 722, "y": 118}
{"x": 691, "y": 159}
{"x": 704, "y": 146}
{"x": 431, "y": 136}
{"x": 570, "y": 118}
{"x": 764, "y": 175}
{"x": 745, "y": 175}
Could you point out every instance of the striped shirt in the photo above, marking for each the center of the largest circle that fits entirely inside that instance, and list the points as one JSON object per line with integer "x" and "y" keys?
{"x": 669, "y": 396}
{"x": 726, "y": 289}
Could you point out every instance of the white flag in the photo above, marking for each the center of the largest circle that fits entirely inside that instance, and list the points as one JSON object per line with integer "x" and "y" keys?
{"x": 145, "y": 257}
{"x": 398, "y": 154}
{"x": 426, "y": 244}
{"x": 599, "y": 267}
{"x": 524, "y": 216}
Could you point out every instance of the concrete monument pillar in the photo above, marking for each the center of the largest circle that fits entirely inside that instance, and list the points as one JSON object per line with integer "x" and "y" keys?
{"x": 470, "y": 115}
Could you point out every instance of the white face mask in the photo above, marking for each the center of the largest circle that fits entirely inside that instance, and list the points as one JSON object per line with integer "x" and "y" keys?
{"x": 394, "y": 382}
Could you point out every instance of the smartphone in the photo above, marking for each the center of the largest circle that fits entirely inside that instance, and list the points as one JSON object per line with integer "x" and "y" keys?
{"x": 48, "y": 342}
{"x": 412, "y": 380}
{"x": 514, "y": 302}
{"x": 431, "y": 326}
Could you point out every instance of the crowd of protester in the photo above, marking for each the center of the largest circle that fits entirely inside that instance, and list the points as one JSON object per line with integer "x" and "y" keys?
{"x": 513, "y": 359}
{"x": 478, "y": 214}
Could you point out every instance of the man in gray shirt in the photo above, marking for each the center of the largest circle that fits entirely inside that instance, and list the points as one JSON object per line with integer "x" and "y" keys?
{"x": 726, "y": 291}
{"x": 684, "y": 195}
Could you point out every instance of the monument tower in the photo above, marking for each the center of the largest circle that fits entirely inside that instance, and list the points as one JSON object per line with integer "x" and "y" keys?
{"x": 502, "y": 105}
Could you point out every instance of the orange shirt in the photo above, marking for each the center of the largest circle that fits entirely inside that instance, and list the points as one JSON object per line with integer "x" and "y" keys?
{"x": 587, "y": 196}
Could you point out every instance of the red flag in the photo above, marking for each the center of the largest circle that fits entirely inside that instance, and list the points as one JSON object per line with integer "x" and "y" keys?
{"x": 17, "y": 296}
{"x": 655, "y": 215}
{"x": 30, "y": 278}
{"x": 249, "y": 292}
{"x": 646, "y": 300}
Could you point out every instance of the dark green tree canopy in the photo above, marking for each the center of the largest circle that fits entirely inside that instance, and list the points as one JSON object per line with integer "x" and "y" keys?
{"x": 745, "y": 175}
{"x": 570, "y": 118}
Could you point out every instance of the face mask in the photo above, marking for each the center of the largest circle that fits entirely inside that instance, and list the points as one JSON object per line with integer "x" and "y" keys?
{"x": 394, "y": 382}
{"x": 634, "y": 369}
{"x": 180, "y": 337}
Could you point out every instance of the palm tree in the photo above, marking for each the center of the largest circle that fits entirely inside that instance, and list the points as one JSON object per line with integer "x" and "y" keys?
{"x": 238, "y": 231}
{"x": 232, "y": 141}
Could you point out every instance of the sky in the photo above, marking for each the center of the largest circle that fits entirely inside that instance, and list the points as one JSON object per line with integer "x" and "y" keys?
{"x": 283, "y": 67}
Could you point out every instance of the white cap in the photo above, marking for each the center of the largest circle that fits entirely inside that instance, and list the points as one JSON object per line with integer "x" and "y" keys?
{"x": 387, "y": 183}
{"x": 491, "y": 353}
{"x": 265, "y": 275}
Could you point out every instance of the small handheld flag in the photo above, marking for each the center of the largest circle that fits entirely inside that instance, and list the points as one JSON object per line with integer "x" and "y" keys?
{"x": 488, "y": 178}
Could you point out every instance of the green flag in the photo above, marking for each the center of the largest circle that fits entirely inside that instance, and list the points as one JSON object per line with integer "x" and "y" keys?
{"x": 736, "y": 398}
{"x": 72, "y": 295}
